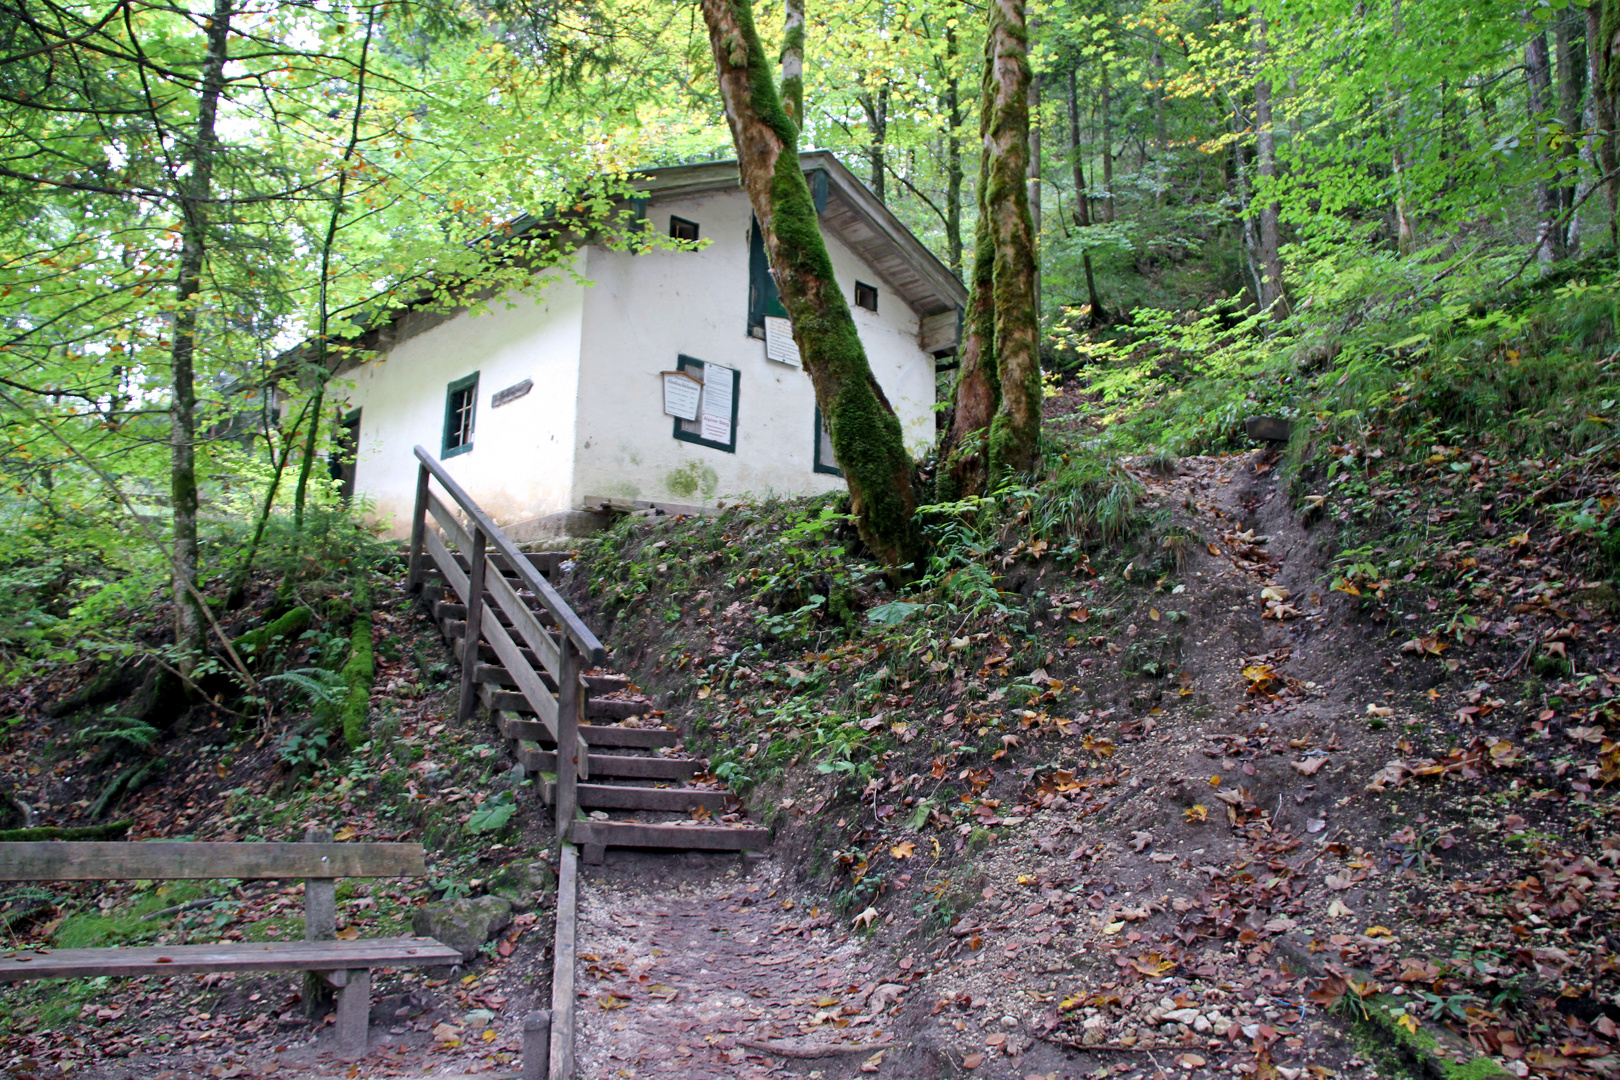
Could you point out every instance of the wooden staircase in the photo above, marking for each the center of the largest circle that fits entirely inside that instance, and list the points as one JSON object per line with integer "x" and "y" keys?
{"x": 624, "y": 771}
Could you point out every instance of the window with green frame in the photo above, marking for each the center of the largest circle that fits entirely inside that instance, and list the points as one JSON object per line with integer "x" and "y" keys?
{"x": 692, "y": 430}
{"x": 825, "y": 461}
{"x": 460, "y": 413}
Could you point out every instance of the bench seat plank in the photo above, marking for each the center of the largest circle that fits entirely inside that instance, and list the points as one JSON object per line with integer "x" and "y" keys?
{"x": 59, "y": 860}
{"x": 228, "y": 956}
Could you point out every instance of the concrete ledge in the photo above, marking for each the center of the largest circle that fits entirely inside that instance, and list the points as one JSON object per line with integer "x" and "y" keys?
{"x": 564, "y": 525}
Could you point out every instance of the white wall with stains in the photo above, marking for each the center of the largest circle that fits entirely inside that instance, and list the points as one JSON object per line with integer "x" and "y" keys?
{"x": 646, "y": 310}
{"x": 521, "y": 463}
{"x": 594, "y": 423}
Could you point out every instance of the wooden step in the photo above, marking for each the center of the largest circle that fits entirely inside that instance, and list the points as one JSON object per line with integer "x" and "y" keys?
{"x": 627, "y": 797}
{"x": 544, "y": 561}
{"x": 455, "y": 609}
{"x": 511, "y": 727}
{"x": 595, "y": 709}
{"x": 531, "y": 757}
{"x": 596, "y": 836}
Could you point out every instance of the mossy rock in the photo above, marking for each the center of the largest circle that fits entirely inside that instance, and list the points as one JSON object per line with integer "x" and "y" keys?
{"x": 1422, "y": 1051}
{"x": 523, "y": 884}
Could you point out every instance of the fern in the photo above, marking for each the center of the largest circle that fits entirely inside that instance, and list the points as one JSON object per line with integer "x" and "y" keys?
{"x": 134, "y": 734}
{"x": 125, "y": 783}
{"x": 313, "y": 683}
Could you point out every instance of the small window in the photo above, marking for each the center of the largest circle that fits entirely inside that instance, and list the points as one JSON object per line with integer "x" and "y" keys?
{"x": 716, "y": 425}
{"x": 681, "y": 229}
{"x": 825, "y": 461}
{"x": 460, "y": 407}
{"x": 866, "y": 296}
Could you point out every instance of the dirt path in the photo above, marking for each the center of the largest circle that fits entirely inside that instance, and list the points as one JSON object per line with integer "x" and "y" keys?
{"x": 688, "y": 960}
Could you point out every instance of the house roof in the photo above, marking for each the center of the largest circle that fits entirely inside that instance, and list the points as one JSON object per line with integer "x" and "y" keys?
{"x": 852, "y": 213}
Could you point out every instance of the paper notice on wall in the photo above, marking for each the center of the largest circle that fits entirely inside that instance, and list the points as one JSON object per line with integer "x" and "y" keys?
{"x": 681, "y": 394}
{"x": 715, "y": 421}
{"x": 779, "y": 343}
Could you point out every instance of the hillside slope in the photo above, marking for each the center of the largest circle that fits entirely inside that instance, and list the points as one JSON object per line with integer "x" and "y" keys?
{"x": 1212, "y": 798}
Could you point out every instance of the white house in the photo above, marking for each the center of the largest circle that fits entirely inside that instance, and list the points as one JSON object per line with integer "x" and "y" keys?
{"x": 574, "y": 396}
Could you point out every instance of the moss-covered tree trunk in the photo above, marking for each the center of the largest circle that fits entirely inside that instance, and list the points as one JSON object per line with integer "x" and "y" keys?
{"x": 866, "y": 434}
{"x": 1016, "y": 429}
{"x": 196, "y": 193}
{"x": 1602, "y": 51}
{"x": 978, "y": 384}
{"x": 996, "y": 411}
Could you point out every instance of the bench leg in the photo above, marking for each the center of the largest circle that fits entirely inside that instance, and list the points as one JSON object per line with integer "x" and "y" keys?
{"x": 354, "y": 1014}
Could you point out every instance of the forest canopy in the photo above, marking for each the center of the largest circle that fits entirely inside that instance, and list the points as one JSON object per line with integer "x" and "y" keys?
{"x": 205, "y": 206}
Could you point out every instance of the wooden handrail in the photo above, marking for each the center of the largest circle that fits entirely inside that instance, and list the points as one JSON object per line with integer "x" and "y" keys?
{"x": 568, "y": 622}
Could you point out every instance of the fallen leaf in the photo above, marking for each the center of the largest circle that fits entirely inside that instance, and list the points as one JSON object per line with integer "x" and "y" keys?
{"x": 871, "y": 1064}
{"x": 865, "y": 918}
{"x": 973, "y": 1061}
{"x": 344, "y": 833}
{"x": 1196, "y": 812}
{"x": 1310, "y": 766}
{"x": 611, "y": 1002}
{"x": 903, "y": 850}
{"x": 348, "y": 933}
{"x": 1338, "y": 910}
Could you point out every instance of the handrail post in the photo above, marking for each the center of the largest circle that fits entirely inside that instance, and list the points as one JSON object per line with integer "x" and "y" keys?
{"x": 418, "y": 526}
{"x": 475, "y": 623}
{"x": 568, "y": 703}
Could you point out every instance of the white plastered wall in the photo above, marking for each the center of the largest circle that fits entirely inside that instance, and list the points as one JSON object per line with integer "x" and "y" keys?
{"x": 645, "y": 310}
{"x": 521, "y": 463}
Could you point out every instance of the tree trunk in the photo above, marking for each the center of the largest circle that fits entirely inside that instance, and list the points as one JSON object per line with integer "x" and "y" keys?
{"x": 1602, "y": 27}
{"x": 876, "y": 107}
{"x": 1015, "y": 430}
{"x": 866, "y": 434}
{"x": 793, "y": 62}
{"x": 1160, "y": 137}
{"x": 196, "y": 191}
{"x": 978, "y": 382}
{"x": 1082, "y": 204}
{"x": 1538, "y": 86}
{"x": 1571, "y": 57}
{"x": 1405, "y": 236}
{"x": 1107, "y": 143}
{"x": 953, "y": 153}
{"x": 1270, "y": 242}
{"x": 321, "y": 370}
{"x": 1033, "y": 195}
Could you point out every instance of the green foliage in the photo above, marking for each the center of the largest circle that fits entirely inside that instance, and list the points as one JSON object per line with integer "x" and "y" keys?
{"x": 301, "y": 749}
{"x": 493, "y": 813}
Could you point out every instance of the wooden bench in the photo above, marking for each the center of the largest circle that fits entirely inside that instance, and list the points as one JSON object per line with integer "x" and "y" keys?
{"x": 345, "y": 966}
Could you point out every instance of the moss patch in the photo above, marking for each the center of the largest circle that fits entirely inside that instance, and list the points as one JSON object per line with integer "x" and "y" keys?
{"x": 255, "y": 643}
{"x": 1420, "y": 1053}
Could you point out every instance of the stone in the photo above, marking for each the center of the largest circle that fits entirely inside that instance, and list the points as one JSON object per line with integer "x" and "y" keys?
{"x": 523, "y": 884}
{"x": 1269, "y": 428}
{"x": 1179, "y": 1016}
{"x": 463, "y": 924}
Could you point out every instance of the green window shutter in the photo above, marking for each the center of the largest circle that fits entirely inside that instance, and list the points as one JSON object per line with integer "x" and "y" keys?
{"x": 763, "y": 299}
